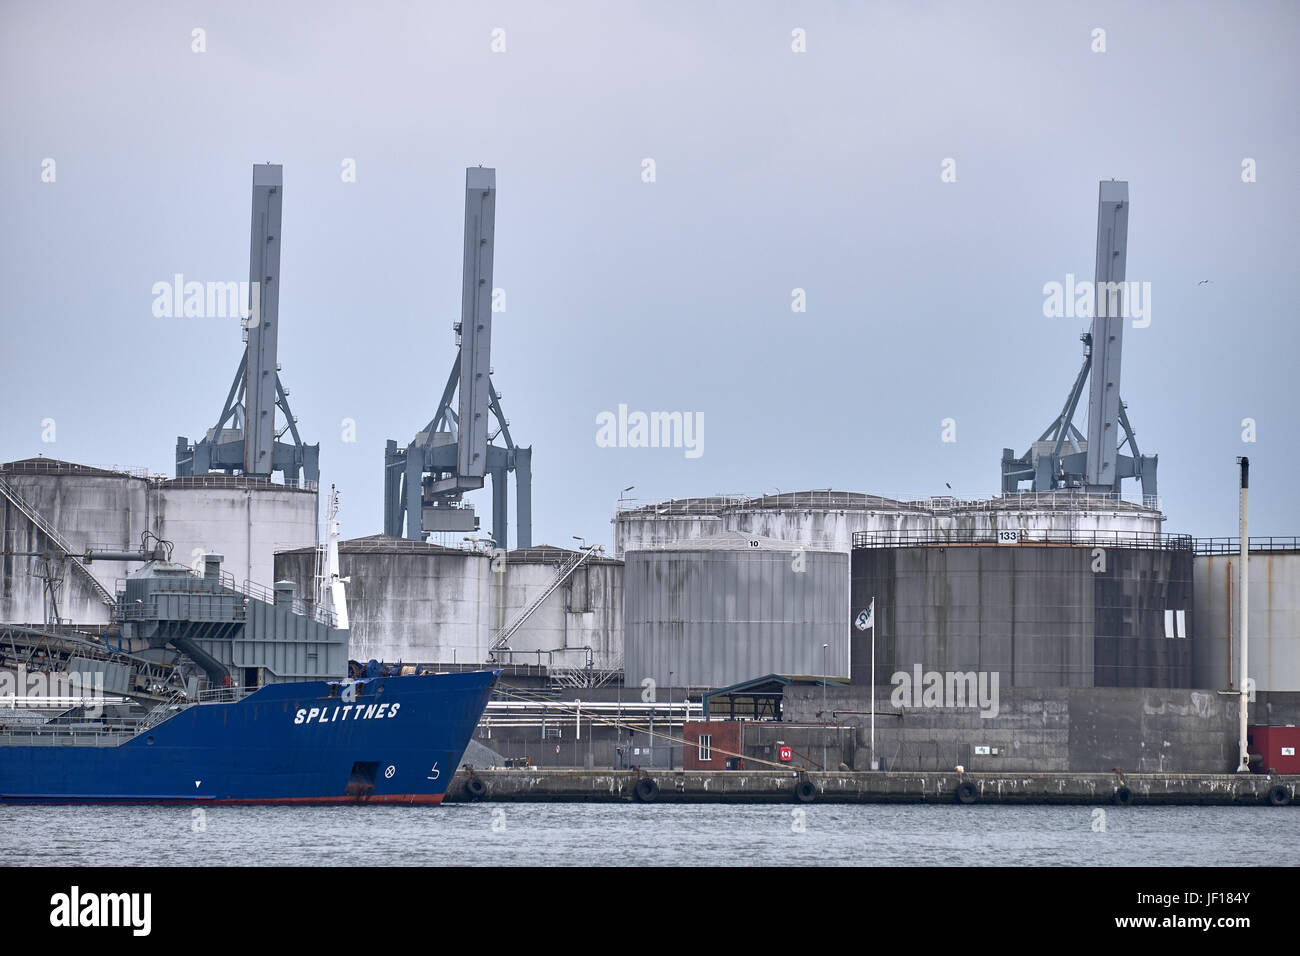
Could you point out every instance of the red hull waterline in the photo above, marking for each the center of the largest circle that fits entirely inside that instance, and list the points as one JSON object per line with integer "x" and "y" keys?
{"x": 407, "y": 799}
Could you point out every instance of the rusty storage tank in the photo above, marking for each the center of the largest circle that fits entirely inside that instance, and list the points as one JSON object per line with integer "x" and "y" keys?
{"x": 712, "y": 611}
{"x": 1039, "y": 608}
{"x": 1274, "y": 653}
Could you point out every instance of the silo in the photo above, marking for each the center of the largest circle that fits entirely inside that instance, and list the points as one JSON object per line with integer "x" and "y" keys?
{"x": 88, "y": 507}
{"x": 408, "y": 601}
{"x": 826, "y": 519}
{"x": 656, "y": 525}
{"x": 246, "y": 520}
{"x": 829, "y": 519}
{"x": 580, "y": 624}
{"x": 1057, "y": 514}
{"x": 1274, "y": 653}
{"x": 85, "y": 507}
{"x": 713, "y": 611}
{"x": 1038, "y": 608}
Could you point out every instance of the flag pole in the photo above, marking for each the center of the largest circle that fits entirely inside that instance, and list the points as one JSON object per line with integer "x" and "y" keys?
{"x": 874, "y": 765}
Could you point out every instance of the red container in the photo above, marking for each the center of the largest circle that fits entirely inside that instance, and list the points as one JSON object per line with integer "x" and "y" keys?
{"x": 1280, "y": 747}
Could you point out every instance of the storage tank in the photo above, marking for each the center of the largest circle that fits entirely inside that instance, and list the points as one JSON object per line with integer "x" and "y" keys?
{"x": 579, "y": 625}
{"x": 829, "y": 519}
{"x": 419, "y": 602}
{"x": 408, "y": 601}
{"x": 1040, "y": 609}
{"x": 89, "y": 507}
{"x": 244, "y": 519}
{"x": 86, "y": 507}
{"x": 656, "y": 525}
{"x": 1274, "y": 608}
{"x": 712, "y": 611}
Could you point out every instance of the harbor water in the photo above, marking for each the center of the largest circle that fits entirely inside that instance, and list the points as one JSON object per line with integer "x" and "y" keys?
{"x": 576, "y": 834}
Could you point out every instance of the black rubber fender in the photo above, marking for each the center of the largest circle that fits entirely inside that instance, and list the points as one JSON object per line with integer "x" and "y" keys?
{"x": 966, "y": 793}
{"x": 805, "y": 792}
{"x": 646, "y": 790}
{"x": 1279, "y": 795}
{"x": 1123, "y": 796}
{"x": 475, "y": 788}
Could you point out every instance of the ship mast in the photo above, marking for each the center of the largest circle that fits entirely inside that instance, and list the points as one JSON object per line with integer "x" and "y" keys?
{"x": 330, "y": 585}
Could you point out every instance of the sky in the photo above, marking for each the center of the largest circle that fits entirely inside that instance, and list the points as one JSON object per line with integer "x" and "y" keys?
{"x": 919, "y": 170}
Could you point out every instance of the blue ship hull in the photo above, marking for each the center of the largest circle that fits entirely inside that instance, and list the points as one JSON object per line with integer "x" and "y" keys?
{"x": 381, "y": 740}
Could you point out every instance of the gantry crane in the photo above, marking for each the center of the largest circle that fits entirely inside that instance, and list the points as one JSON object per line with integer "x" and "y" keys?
{"x": 425, "y": 481}
{"x": 1063, "y": 458}
{"x": 245, "y": 440}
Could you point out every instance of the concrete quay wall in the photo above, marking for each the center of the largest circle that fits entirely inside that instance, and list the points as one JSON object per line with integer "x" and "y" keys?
{"x": 783, "y": 786}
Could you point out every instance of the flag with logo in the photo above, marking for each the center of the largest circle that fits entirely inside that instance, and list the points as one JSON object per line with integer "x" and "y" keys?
{"x": 867, "y": 617}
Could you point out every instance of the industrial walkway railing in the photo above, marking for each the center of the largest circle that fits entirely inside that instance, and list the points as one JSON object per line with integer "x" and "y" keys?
{"x": 53, "y": 466}
{"x": 964, "y": 536}
{"x": 858, "y": 501}
{"x": 77, "y": 731}
{"x": 1233, "y": 545}
{"x": 202, "y": 599}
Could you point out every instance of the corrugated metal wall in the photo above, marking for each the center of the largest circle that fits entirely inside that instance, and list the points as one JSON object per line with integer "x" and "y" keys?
{"x": 1038, "y": 616}
{"x": 713, "y": 618}
{"x": 1274, "y": 658}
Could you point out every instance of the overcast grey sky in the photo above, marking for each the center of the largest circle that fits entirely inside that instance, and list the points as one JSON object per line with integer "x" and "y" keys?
{"x": 775, "y": 170}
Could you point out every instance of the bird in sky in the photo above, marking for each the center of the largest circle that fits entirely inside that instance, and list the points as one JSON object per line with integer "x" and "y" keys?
{"x": 1205, "y": 282}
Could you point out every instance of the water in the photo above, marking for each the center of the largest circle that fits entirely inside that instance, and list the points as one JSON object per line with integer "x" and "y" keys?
{"x": 572, "y": 834}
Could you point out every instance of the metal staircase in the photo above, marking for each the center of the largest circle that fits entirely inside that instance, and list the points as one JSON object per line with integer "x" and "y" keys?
{"x": 583, "y": 678}
{"x": 174, "y": 702}
{"x": 47, "y": 529}
{"x": 566, "y": 571}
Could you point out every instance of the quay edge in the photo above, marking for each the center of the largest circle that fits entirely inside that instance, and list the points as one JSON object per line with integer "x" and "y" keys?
{"x": 781, "y": 786}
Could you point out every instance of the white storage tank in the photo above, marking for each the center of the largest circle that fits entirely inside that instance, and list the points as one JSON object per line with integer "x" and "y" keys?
{"x": 829, "y": 519}
{"x": 88, "y": 507}
{"x": 656, "y": 525}
{"x": 408, "y": 601}
{"x": 579, "y": 625}
{"x": 424, "y": 603}
{"x": 245, "y": 519}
